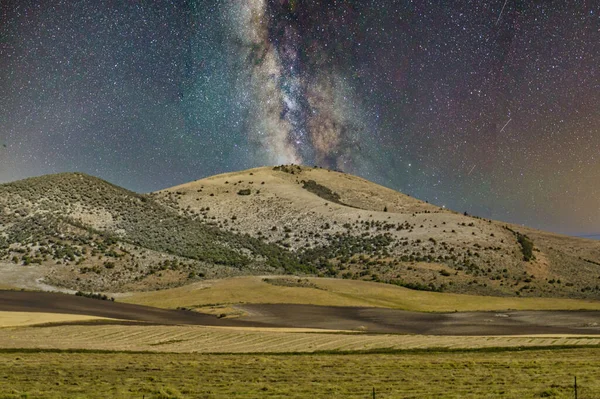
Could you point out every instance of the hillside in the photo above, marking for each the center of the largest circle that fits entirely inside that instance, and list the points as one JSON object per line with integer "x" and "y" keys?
{"x": 348, "y": 227}
{"x": 82, "y": 233}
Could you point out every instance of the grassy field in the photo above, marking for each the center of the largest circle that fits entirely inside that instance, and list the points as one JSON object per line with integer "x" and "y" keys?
{"x": 187, "y": 339}
{"x": 338, "y": 292}
{"x": 513, "y": 374}
{"x": 14, "y": 319}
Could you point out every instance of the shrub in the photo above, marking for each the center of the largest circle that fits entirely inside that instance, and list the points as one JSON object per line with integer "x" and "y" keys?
{"x": 526, "y": 247}
{"x": 102, "y": 297}
{"x": 322, "y": 191}
{"x": 109, "y": 265}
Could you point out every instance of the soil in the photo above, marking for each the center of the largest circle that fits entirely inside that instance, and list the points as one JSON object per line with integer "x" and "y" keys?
{"x": 373, "y": 320}
{"x": 398, "y": 321}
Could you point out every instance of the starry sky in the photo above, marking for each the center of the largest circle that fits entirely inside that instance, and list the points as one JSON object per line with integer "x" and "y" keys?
{"x": 484, "y": 106}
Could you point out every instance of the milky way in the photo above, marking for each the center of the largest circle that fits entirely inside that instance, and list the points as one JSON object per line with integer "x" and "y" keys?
{"x": 306, "y": 112}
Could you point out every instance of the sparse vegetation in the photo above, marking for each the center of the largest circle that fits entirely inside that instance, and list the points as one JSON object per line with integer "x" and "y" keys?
{"x": 291, "y": 169}
{"x": 88, "y": 219}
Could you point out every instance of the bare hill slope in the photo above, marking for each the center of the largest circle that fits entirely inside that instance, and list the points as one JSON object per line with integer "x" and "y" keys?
{"x": 348, "y": 227}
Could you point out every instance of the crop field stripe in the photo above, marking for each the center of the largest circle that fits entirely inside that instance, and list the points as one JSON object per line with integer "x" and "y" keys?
{"x": 362, "y": 352}
{"x": 241, "y": 341}
{"x": 171, "y": 339}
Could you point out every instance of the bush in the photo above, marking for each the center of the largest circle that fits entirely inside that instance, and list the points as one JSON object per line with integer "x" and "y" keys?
{"x": 321, "y": 191}
{"x": 245, "y": 191}
{"x": 102, "y": 297}
{"x": 109, "y": 265}
{"x": 526, "y": 247}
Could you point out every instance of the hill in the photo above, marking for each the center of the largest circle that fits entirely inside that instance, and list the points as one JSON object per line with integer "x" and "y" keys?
{"x": 348, "y": 227}
{"x": 82, "y": 233}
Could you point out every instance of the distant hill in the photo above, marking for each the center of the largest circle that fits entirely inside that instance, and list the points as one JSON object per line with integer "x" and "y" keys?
{"x": 83, "y": 233}
{"x": 591, "y": 236}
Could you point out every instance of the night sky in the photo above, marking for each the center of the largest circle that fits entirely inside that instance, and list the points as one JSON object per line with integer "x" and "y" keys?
{"x": 490, "y": 107}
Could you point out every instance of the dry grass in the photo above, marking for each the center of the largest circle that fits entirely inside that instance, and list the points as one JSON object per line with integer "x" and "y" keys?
{"x": 402, "y": 298}
{"x": 14, "y": 319}
{"x": 523, "y": 374}
{"x": 187, "y": 339}
{"x": 337, "y": 292}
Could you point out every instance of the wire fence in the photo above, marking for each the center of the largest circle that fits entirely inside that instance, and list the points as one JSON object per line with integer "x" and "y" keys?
{"x": 578, "y": 392}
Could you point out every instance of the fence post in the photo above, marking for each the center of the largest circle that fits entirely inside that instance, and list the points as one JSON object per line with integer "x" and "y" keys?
{"x": 374, "y": 393}
{"x": 575, "y": 386}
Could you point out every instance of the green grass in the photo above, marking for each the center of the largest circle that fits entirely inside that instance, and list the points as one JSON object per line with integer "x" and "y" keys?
{"x": 514, "y": 374}
{"x": 338, "y": 292}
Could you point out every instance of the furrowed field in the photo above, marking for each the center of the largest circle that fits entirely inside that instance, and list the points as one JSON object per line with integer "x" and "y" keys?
{"x": 509, "y": 374}
{"x": 190, "y": 339}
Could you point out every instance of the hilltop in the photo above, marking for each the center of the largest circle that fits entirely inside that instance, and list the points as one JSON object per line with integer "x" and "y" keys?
{"x": 82, "y": 233}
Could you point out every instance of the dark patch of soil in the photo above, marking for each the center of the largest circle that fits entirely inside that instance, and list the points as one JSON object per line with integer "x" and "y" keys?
{"x": 374, "y": 320}
{"x": 47, "y": 302}
{"x": 398, "y": 321}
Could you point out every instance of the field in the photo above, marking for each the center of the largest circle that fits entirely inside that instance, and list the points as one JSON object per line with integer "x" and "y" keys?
{"x": 512, "y": 374}
{"x": 149, "y": 353}
{"x": 338, "y": 292}
{"x": 186, "y": 339}
{"x": 15, "y": 319}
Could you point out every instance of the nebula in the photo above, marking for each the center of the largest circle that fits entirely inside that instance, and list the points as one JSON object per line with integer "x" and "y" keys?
{"x": 302, "y": 108}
